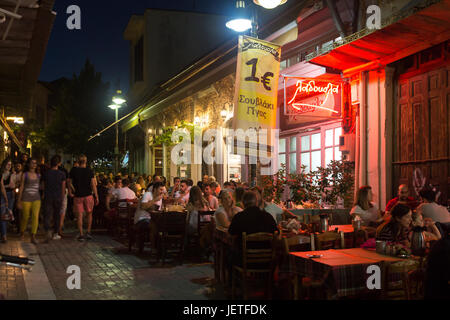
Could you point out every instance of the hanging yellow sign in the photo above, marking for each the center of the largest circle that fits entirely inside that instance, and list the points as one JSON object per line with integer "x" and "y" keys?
{"x": 255, "y": 99}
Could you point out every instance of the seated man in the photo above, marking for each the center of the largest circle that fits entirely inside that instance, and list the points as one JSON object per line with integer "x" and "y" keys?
{"x": 142, "y": 216}
{"x": 208, "y": 195}
{"x": 182, "y": 196}
{"x": 252, "y": 219}
{"x": 403, "y": 198}
{"x": 430, "y": 209}
{"x": 277, "y": 213}
{"x": 124, "y": 193}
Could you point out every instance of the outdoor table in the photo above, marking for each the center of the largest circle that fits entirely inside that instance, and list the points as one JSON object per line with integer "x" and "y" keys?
{"x": 344, "y": 270}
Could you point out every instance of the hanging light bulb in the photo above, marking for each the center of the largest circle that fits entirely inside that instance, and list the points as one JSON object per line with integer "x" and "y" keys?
{"x": 269, "y": 4}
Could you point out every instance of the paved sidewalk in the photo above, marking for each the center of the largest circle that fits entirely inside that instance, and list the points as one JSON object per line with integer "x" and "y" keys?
{"x": 108, "y": 271}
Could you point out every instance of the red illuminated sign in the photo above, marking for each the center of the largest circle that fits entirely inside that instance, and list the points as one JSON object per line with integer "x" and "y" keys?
{"x": 308, "y": 96}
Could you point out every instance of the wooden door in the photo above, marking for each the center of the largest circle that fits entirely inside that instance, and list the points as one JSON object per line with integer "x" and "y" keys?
{"x": 421, "y": 143}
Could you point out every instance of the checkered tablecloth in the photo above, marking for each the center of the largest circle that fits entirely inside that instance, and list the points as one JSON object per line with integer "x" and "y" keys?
{"x": 343, "y": 271}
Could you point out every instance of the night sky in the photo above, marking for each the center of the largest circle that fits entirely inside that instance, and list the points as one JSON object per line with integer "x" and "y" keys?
{"x": 101, "y": 36}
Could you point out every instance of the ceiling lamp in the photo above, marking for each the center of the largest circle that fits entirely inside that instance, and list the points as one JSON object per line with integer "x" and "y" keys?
{"x": 269, "y": 4}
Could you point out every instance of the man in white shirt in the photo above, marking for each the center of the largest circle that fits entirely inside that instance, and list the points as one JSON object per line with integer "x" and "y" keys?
{"x": 124, "y": 193}
{"x": 212, "y": 200}
{"x": 112, "y": 193}
{"x": 430, "y": 209}
{"x": 142, "y": 218}
{"x": 148, "y": 200}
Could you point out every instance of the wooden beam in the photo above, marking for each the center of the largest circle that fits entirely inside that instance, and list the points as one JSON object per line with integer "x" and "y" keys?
{"x": 15, "y": 44}
{"x": 21, "y": 60}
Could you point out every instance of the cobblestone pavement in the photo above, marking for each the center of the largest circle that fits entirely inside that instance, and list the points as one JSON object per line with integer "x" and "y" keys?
{"x": 108, "y": 271}
{"x": 12, "y": 284}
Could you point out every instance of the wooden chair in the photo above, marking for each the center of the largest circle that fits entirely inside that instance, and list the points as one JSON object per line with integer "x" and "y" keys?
{"x": 205, "y": 227}
{"x": 124, "y": 218}
{"x": 327, "y": 240}
{"x": 172, "y": 232}
{"x": 408, "y": 283}
{"x": 255, "y": 262}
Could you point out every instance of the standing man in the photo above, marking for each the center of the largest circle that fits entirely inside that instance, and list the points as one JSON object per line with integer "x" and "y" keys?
{"x": 54, "y": 181}
{"x": 82, "y": 180}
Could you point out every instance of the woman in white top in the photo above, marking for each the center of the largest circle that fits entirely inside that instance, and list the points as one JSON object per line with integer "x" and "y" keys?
{"x": 227, "y": 210}
{"x": 365, "y": 209}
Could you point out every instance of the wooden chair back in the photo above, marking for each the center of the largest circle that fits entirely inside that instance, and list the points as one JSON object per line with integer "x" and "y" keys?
{"x": 327, "y": 240}
{"x": 172, "y": 223}
{"x": 258, "y": 249}
{"x": 172, "y": 231}
{"x": 204, "y": 218}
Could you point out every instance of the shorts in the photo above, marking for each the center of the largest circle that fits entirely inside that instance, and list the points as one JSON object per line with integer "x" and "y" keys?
{"x": 85, "y": 204}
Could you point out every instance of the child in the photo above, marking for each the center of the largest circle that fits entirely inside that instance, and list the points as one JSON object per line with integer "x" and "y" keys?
{"x": 431, "y": 231}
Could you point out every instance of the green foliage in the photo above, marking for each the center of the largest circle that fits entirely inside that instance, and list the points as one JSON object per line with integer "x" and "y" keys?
{"x": 326, "y": 184}
{"x": 166, "y": 137}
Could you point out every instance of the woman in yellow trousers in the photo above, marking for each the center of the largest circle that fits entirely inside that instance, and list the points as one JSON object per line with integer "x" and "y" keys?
{"x": 29, "y": 200}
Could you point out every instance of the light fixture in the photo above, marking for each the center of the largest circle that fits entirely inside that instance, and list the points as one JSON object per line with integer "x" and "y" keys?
{"x": 241, "y": 21}
{"x": 17, "y": 120}
{"x": 114, "y": 106}
{"x": 118, "y": 99}
{"x": 269, "y": 4}
{"x": 224, "y": 114}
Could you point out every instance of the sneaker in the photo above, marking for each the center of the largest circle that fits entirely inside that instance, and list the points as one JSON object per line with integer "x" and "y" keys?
{"x": 80, "y": 238}
{"x": 56, "y": 237}
{"x": 88, "y": 236}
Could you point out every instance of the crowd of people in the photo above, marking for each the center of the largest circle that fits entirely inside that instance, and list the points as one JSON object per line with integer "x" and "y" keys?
{"x": 29, "y": 187}
{"x": 402, "y": 214}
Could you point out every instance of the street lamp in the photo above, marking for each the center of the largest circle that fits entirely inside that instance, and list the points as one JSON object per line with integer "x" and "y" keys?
{"x": 118, "y": 101}
{"x": 241, "y": 20}
{"x": 269, "y": 4}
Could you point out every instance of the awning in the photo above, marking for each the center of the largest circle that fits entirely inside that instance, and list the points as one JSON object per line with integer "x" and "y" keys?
{"x": 407, "y": 33}
{"x": 24, "y": 35}
{"x": 8, "y": 129}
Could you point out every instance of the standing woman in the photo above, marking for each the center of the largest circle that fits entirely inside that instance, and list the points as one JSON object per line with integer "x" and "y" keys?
{"x": 29, "y": 200}
{"x": 7, "y": 196}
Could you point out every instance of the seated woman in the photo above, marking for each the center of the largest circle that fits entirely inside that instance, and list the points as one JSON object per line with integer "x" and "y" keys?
{"x": 196, "y": 203}
{"x": 227, "y": 210}
{"x": 397, "y": 228}
{"x": 432, "y": 233}
{"x": 366, "y": 209}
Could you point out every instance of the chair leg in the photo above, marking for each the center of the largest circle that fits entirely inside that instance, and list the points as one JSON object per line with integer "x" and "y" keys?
{"x": 244, "y": 287}
{"x": 233, "y": 285}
